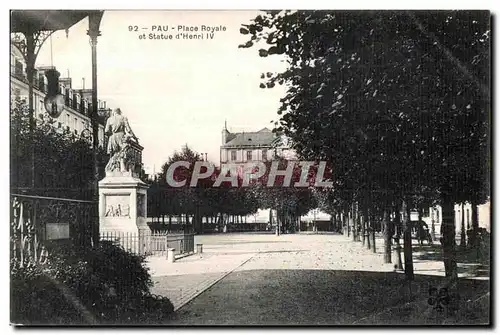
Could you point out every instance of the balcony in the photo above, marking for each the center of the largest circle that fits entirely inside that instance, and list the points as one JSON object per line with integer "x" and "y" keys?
{"x": 18, "y": 72}
{"x": 38, "y": 83}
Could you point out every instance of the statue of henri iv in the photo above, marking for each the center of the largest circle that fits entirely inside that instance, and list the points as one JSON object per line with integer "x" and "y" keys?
{"x": 120, "y": 139}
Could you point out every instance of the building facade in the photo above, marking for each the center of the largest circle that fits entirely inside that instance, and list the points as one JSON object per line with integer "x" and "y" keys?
{"x": 245, "y": 147}
{"x": 75, "y": 117}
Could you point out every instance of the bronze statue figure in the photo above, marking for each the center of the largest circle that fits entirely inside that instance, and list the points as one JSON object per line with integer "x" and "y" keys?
{"x": 119, "y": 141}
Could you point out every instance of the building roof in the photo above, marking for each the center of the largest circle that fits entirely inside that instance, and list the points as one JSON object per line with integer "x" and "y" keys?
{"x": 263, "y": 137}
{"x": 22, "y": 20}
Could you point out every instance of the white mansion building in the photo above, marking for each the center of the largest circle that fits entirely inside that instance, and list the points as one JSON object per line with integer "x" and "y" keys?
{"x": 243, "y": 147}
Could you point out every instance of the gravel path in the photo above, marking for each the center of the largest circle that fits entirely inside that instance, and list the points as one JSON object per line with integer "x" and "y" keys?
{"x": 320, "y": 280}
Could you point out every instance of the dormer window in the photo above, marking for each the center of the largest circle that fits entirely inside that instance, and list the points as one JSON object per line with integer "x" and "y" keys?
{"x": 78, "y": 102}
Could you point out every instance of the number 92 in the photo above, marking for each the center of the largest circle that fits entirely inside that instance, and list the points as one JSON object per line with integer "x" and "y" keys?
{"x": 133, "y": 28}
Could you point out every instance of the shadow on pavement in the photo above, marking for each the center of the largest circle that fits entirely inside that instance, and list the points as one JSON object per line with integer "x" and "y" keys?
{"x": 236, "y": 242}
{"x": 326, "y": 297}
{"x": 468, "y": 262}
{"x": 210, "y": 252}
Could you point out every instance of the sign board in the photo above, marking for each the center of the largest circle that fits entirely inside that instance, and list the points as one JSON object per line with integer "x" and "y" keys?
{"x": 57, "y": 231}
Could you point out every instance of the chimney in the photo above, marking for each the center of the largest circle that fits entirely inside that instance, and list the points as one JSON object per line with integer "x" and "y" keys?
{"x": 225, "y": 132}
{"x": 86, "y": 94}
{"x": 66, "y": 82}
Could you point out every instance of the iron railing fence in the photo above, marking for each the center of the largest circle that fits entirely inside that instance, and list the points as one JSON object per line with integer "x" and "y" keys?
{"x": 151, "y": 243}
{"x": 39, "y": 221}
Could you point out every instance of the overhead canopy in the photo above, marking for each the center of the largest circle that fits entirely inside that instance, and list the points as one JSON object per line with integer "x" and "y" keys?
{"x": 48, "y": 20}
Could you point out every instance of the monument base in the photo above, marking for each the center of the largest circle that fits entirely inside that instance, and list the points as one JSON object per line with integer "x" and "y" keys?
{"x": 122, "y": 210}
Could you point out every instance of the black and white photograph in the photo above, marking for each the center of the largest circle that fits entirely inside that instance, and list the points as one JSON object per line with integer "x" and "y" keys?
{"x": 280, "y": 167}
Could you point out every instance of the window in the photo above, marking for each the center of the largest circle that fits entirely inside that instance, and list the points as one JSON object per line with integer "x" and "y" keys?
{"x": 18, "y": 68}
{"x": 233, "y": 155}
{"x": 35, "y": 78}
{"x": 264, "y": 154}
{"x": 41, "y": 82}
{"x": 66, "y": 97}
{"x": 249, "y": 155}
{"x": 59, "y": 124}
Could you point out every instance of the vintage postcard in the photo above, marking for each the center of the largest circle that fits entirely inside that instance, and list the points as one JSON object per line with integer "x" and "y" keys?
{"x": 250, "y": 167}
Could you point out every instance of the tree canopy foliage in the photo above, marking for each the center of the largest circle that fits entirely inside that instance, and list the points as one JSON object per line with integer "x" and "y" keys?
{"x": 63, "y": 160}
{"x": 397, "y": 101}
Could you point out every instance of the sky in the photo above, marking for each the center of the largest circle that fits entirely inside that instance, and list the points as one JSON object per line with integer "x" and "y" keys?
{"x": 174, "y": 92}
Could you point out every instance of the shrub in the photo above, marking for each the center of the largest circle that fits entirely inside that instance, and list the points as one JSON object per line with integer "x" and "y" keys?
{"x": 110, "y": 282}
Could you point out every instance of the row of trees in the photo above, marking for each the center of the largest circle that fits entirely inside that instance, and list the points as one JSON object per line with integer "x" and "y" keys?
{"x": 397, "y": 101}
{"x": 204, "y": 200}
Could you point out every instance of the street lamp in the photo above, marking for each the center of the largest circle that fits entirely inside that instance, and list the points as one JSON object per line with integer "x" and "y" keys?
{"x": 54, "y": 100}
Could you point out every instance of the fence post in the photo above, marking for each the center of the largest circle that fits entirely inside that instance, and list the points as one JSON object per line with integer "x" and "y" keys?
{"x": 171, "y": 255}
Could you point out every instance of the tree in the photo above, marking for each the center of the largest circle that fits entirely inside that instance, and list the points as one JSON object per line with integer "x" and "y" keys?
{"x": 355, "y": 84}
{"x": 63, "y": 161}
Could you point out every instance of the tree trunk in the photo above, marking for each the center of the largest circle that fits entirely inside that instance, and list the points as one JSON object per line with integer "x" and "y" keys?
{"x": 387, "y": 239}
{"x": 420, "y": 228}
{"x": 278, "y": 223}
{"x": 347, "y": 219}
{"x": 462, "y": 229}
{"x": 448, "y": 239}
{"x": 398, "y": 265}
{"x": 352, "y": 221}
{"x": 366, "y": 228}
{"x": 372, "y": 220}
{"x": 433, "y": 224}
{"x": 475, "y": 225}
{"x": 356, "y": 224}
{"x": 362, "y": 219}
{"x": 407, "y": 241}
{"x": 170, "y": 223}
{"x": 368, "y": 237}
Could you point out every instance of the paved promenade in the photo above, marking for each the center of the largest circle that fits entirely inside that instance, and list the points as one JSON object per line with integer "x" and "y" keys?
{"x": 268, "y": 279}
{"x": 189, "y": 276}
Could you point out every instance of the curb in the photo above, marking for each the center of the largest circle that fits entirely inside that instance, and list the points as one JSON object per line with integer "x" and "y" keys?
{"x": 198, "y": 292}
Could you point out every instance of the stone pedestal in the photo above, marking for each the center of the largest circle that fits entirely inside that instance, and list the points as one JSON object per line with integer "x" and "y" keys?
{"x": 122, "y": 210}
